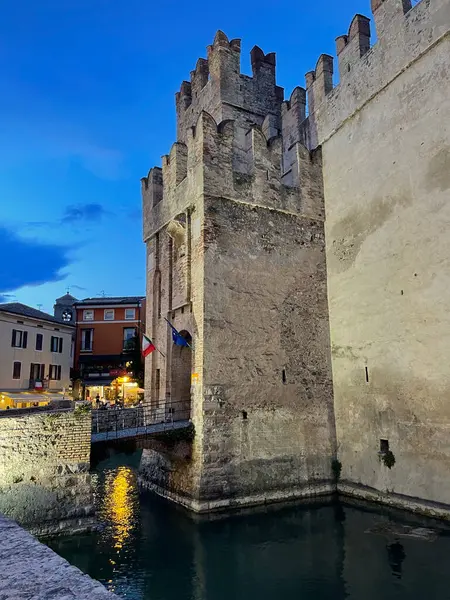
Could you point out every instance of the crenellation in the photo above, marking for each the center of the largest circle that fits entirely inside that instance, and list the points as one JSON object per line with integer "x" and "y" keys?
{"x": 293, "y": 115}
{"x": 403, "y": 33}
{"x": 350, "y": 48}
{"x": 319, "y": 82}
{"x": 199, "y": 77}
{"x": 385, "y": 12}
{"x": 263, "y": 68}
{"x": 174, "y": 165}
{"x": 219, "y": 88}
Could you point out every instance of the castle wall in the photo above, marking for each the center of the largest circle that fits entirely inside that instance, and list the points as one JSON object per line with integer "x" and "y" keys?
{"x": 256, "y": 211}
{"x": 385, "y": 143}
{"x": 268, "y": 424}
{"x": 45, "y": 483}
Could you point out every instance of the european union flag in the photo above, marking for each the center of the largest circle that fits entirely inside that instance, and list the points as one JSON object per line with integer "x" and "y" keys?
{"x": 177, "y": 338}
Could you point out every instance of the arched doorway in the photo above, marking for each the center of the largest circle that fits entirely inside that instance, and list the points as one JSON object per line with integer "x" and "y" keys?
{"x": 181, "y": 368}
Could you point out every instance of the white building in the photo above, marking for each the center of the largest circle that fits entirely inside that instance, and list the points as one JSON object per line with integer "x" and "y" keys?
{"x": 36, "y": 353}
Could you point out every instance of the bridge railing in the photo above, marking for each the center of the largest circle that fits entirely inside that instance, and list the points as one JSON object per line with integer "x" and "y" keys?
{"x": 139, "y": 417}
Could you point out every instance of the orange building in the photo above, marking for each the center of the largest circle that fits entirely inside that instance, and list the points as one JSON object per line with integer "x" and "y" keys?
{"x": 108, "y": 335}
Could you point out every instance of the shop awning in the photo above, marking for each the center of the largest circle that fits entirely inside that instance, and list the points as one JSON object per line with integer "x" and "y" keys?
{"x": 31, "y": 397}
{"x": 98, "y": 381}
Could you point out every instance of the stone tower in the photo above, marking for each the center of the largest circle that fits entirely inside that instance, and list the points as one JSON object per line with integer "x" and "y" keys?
{"x": 234, "y": 228}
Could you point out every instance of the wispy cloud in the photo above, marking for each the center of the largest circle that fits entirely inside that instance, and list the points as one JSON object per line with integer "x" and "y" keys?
{"x": 7, "y": 298}
{"x": 90, "y": 213}
{"x": 83, "y": 212}
{"x": 33, "y": 263}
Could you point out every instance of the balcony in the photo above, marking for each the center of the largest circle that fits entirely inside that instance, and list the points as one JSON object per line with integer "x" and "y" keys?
{"x": 43, "y": 384}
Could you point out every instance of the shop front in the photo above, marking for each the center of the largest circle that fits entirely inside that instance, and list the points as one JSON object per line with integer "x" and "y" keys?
{"x": 28, "y": 399}
{"x": 116, "y": 388}
{"x": 105, "y": 380}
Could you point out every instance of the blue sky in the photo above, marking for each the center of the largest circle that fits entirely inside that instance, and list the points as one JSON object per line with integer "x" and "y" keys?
{"x": 87, "y": 107}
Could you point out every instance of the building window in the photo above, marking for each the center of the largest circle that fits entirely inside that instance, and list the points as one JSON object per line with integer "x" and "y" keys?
{"x": 384, "y": 446}
{"x": 130, "y": 314}
{"x": 17, "y": 366}
{"x": 129, "y": 333}
{"x": 56, "y": 344}
{"x": 55, "y": 372}
{"x": 39, "y": 341}
{"x": 109, "y": 314}
{"x": 19, "y": 338}
{"x": 88, "y": 315}
{"x": 86, "y": 339}
{"x": 37, "y": 371}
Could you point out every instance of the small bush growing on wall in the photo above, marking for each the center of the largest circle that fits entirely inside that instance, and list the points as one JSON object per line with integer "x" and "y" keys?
{"x": 336, "y": 467}
{"x": 82, "y": 410}
{"x": 389, "y": 459}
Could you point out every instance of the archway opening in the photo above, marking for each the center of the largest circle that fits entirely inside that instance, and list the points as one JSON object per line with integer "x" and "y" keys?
{"x": 181, "y": 368}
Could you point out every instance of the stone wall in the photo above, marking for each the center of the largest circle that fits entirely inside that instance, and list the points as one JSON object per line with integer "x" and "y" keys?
{"x": 386, "y": 155}
{"x": 45, "y": 483}
{"x": 235, "y": 238}
{"x": 268, "y": 415}
{"x": 251, "y": 188}
{"x": 31, "y": 570}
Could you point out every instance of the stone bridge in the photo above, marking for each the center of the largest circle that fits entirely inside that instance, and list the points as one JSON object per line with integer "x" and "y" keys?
{"x": 143, "y": 420}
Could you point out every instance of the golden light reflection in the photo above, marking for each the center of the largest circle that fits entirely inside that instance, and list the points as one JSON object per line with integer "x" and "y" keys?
{"x": 119, "y": 508}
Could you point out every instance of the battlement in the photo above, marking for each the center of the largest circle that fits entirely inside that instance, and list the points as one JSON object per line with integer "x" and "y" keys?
{"x": 404, "y": 32}
{"x": 217, "y": 86}
{"x": 225, "y": 159}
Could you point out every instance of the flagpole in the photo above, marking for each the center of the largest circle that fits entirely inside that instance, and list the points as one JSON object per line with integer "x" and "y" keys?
{"x": 141, "y": 329}
{"x": 177, "y": 332}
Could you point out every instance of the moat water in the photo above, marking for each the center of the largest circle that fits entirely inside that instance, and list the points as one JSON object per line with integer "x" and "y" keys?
{"x": 151, "y": 549}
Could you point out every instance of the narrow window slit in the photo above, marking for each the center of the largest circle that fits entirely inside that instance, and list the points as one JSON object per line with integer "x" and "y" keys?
{"x": 367, "y": 374}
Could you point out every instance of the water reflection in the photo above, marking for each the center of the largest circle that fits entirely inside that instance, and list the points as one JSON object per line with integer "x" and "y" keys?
{"x": 120, "y": 500}
{"x": 396, "y": 556}
{"x": 151, "y": 549}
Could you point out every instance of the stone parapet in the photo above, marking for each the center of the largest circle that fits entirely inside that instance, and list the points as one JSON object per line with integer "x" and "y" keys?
{"x": 31, "y": 570}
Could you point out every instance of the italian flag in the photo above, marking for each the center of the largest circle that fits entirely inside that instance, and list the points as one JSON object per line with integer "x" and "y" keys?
{"x": 147, "y": 346}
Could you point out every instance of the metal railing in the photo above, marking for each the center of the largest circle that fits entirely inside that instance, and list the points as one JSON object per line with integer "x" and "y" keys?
{"x": 114, "y": 423}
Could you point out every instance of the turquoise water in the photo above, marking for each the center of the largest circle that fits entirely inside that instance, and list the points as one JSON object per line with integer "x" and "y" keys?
{"x": 151, "y": 549}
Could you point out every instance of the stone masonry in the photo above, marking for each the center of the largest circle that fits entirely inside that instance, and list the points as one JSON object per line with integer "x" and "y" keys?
{"x": 31, "y": 570}
{"x": 385, "y": 138}
{"x": 306, "y": 256}
{"x": 45, "y": 483}
{"x": 236, "y": 258}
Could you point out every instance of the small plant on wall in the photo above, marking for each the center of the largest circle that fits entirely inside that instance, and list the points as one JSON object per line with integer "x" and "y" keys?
{"x": 336, "y": 467}
{"x": 389, "y": 459}
{"x": 386, "y": 455}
